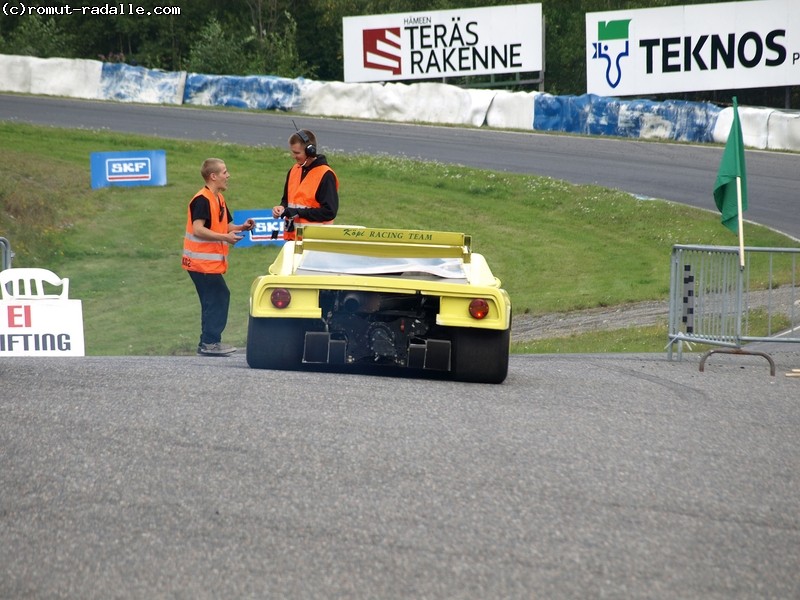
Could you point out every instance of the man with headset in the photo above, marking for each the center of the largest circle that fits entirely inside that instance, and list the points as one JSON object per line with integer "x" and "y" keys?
{"x": 311, "y": 191}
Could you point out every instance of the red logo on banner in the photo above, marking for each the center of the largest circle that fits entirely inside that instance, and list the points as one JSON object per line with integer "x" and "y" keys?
{"x": 382, "y": 49}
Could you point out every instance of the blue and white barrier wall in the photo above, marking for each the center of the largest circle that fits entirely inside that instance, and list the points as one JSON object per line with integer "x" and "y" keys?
{"x": 418, "y": 103}
{"x": 596, "y": 115}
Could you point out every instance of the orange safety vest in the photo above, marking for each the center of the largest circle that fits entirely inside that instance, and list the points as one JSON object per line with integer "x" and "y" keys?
{"x": 302, "y": 194}
{"x": 205, "y": 256}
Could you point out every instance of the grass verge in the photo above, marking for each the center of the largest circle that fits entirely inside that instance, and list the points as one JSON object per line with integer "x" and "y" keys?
{"x": 557, "y": 247}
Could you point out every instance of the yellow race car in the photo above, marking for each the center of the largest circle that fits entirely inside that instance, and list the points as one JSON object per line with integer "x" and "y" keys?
{"x": 363, "y": 297}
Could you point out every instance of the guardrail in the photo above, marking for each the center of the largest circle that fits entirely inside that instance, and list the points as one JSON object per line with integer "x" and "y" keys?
{"x": 714, "y": 301}
{"x": 6, "y": 254}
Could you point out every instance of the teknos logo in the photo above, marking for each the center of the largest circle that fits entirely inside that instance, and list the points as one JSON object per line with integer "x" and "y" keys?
{"x": 128, "y": 169}
{"x": 676, "y": 49}
{"x": 382, "y": 49}
{"x": 612, "y": 46}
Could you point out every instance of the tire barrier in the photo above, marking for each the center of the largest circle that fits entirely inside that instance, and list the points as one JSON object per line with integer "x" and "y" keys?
{"x": 426, "y": 102}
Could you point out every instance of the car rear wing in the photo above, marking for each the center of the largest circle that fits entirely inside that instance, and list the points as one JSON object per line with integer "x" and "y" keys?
{"x": 408, "y": 243}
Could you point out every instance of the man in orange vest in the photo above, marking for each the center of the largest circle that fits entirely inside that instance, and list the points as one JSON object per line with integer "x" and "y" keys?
{"x": 311, "y": 191}
{"x": 209, "y": 232}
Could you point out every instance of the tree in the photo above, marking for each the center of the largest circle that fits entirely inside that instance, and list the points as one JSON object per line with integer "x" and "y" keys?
{"x": 35, "y": 36}
{"x": 216, "y": 51}
{"x": 279, "y": 53}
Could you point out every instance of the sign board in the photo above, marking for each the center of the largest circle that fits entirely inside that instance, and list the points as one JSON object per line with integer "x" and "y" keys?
{"x": 445, "y": 43}
{"x": 41, "y": 328}
{"x": 262, "y": 233}
{"x": 141, "y": 167}
{"x": 721, "y": 46}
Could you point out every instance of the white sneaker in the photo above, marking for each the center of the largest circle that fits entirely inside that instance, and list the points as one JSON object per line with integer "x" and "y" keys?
{"x": 218, "y": 349}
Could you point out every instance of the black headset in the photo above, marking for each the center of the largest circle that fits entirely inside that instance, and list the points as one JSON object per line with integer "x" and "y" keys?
{"x": 310, "y": 149}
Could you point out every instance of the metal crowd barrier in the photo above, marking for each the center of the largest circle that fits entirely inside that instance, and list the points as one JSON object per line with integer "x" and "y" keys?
{"x": 6, "y": 255}
{"x": 714, "y": 301}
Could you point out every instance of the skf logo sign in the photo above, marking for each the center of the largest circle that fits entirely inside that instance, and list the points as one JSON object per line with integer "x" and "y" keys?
{"x": 382, "y": 49}
{"x": 265, "y": 228}
{"x": 267, "y": 231}
{"x": 128, "y": 169}
{"x": 139, "y": 167}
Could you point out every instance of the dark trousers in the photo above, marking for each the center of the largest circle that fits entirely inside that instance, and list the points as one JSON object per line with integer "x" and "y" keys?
{"x": 214, "y": 300}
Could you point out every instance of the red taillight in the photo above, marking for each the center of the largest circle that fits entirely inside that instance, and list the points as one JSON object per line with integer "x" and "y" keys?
{"x": 280, "y": 298}
{"x": 479, "y": 308}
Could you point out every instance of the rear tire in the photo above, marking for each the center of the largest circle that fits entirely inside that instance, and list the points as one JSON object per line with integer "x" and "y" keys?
{"x": 277, "y": 343}
{"x": 480, "y": 355}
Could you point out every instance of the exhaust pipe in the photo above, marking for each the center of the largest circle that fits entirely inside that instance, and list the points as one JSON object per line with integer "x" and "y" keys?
{"x": 354, "y": 302}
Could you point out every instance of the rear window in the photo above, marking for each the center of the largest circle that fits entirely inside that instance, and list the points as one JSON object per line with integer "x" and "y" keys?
{"x": 315, "y": 261}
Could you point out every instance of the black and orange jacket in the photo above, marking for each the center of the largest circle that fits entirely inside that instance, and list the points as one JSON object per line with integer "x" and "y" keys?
{"x": 205, "y": 256}
{"x": 302, "y": 194}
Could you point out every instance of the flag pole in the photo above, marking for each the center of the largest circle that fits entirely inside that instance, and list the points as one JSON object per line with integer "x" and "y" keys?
{"x": 740, "y": 285}
{"x": 741, "y": 221}
{"x": 739, "y": 171}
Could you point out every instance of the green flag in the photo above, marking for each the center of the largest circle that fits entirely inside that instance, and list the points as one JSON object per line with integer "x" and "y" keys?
{"x": 731, "y": 167}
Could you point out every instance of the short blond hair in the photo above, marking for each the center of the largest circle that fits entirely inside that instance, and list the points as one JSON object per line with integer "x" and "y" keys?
{"x": 211, "y": 165}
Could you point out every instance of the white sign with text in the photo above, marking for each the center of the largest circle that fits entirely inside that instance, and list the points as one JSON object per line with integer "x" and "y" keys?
{"x": 41, "y": 328}
{"x": 721, "y": 46}
{"x": 444, "y": 43}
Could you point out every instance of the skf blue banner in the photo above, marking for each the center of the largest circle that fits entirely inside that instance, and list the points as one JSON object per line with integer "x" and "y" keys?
{"x": 262, "y": 234}
{"x": 141, "y": 167}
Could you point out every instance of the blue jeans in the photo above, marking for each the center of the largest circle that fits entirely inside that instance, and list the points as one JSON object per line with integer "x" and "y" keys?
{"x": 214, "y": 300}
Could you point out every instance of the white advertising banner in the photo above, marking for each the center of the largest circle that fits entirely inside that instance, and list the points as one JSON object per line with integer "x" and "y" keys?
{"x": 41, "y": 328}
{"x": 445, "y": 43}
{"x": 721, "y": 46}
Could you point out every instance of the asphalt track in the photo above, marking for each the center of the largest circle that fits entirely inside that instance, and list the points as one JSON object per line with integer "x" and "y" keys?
{"x": 600, "y": 476}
